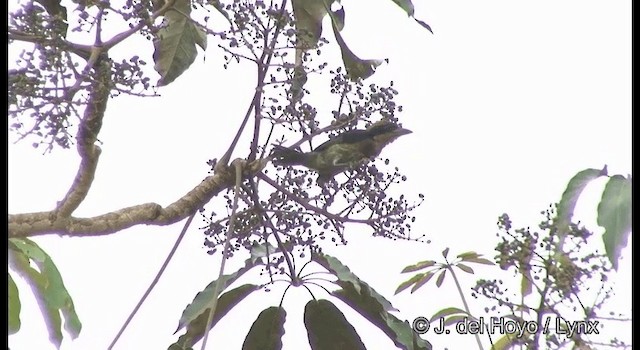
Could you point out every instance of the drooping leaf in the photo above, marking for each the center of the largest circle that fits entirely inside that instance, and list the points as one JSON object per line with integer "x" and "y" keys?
{"x": 366, "y": 304}
{"x": 571, "y": 194}
{"x": 195, "y": 329}
{"x": 47, "y": 286}
{"x": 328, "y": 329}
{"x": 345, "y": 276}
{"x": 175, "y": 43}
{"x": 448, "y": 311}
{"x": 356, "y": 67}
{"x": 418, "y": 266}
{"x": 308, "y": 15}
{"x": 267, "y": 330}
{"x": 445, "y": 252}
{"x": 14, "y": 307}
{"x": 614, "y": 214}
{"x": 424, "y": 25}
{"x": 406, "y": 5}
{"x": 203, "y": 299}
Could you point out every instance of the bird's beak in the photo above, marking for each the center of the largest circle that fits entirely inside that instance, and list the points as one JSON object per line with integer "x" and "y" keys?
{"x": 403, "y": 131}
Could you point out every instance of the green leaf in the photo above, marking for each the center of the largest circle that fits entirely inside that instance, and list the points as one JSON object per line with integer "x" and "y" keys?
{"x": 175, "y": 43}
{"x": 196, "y": 326}
{"x": 455, "y": 319}
{"x": 424, "y": 25}
{"x": 406, "y": 5}
{"x": 29, "y": 248}
{"x": 480, "y": 261}
{"x": 422, "y": 281}
{"x": 14, "y": 307}
{"x": 368, "y": 305}
{"x": 404, "y": 285}
{"x": 308, "y": 15}
{"x": 58, "y": 13}
{"x": 47, "y": 286}
{"x": 440, "y": 278}
{"x": 614, "y": 214}
{"x": 328, "y": 329}
{"x": 356, "y": 67}
{"x": 418, "y": 266}
{"x": 448, "y": 311}
{"x": 572, "y": 193}
{"x": 346, "y": 277}
{"x": 203, "y": 299}
{"x": 267, "y": 330}
{"x": 465, "y": 268}
{"x": 467, "y": 255}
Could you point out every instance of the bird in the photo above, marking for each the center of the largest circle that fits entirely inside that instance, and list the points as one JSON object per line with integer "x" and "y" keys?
{"x": 342, "y": 152}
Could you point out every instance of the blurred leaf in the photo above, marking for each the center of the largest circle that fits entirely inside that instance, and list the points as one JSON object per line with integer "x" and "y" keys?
{"x": 308, "y": 15}
{"x": 480, "y": 261}
{"x": 57, "y": 12}
{"x": 196, "y": 326}
{"x": 175, "y": 43}
{"x": 572, "y": 193}
{"x": 424, "y": 25}
{"x": 345, "y": 276}
{"x": 614, "y": 214}
{"x": 466, "y": 255}
{"x": 366, "y": 304}
{"x": 422, "y": 281}
{"x": 418, "y": 266}
{"x": 455, "y": 319}
{"x": 328, "y": 329}
{"x": 440, "y": 278}
{"x": 47, "y": 286}
{"x": 14, "y": 307}
{"x": 406, "y": 5}
{"x": 464, "y": 268}
{"x": 267, "y": 330}
{"x": 404, "y": 285}
{"x": 203, "y": 299}
{"x": 445, "y": 252}
{"x": 448, "y": 311}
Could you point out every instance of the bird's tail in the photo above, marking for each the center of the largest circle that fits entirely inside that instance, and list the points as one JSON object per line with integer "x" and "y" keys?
{"x": 286, "y": 156}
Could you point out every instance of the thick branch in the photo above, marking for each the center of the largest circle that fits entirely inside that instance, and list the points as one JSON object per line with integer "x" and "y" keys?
{"x": 88, "y": 131}
{"x": 35, "y": 224}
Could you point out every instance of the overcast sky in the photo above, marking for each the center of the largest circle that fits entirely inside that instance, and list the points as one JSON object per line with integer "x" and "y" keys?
{"x": 507, "y": 100}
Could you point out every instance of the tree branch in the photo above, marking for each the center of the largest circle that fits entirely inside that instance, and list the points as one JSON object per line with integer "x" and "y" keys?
{"x": 41, "y": 223}
{"x": 87, "y": 136}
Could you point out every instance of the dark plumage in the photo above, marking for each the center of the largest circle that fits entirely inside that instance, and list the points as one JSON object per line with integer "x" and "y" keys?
{"x": 342, "y": 152}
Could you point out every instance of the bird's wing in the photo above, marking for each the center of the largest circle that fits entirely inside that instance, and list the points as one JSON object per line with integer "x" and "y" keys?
{"x": 347, "y": 137}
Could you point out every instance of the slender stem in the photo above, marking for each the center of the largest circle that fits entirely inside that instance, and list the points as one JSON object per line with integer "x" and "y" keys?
{"x": 218, "y": 287}
{"x": 155, "y": 280}
{"x": 464, "y": 301}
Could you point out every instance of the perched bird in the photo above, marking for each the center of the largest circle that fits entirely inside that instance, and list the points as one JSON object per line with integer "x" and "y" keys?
{"x": 342, "y": 152}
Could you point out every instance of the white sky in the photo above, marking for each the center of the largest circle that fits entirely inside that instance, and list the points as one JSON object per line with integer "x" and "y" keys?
{"x": 507, "y": 101}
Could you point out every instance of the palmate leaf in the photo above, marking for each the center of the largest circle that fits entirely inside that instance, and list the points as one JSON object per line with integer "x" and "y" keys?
{"x": 175, "y": 43}
{"x": 203, "y": 299}
{"x": 328, "y": 329}
{"x": 267, "y": 330}
{"x": 196, "y": 327}
{"x": 47, "y": 286}
{"x": 370, "y": 304}
{"x": 614, "y": 214}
